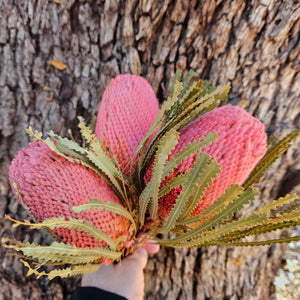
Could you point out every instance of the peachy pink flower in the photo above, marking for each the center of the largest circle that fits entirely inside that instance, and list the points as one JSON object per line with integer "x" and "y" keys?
{"x": 50, "y": 185}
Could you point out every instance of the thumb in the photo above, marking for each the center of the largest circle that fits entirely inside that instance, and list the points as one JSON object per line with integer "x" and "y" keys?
{"x": 140, "y": 257}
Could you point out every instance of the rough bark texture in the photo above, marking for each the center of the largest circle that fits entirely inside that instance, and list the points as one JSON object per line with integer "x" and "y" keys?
{"x": 251, "y": 45}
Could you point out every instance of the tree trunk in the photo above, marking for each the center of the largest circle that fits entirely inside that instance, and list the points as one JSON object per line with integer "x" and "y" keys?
{"x": 251, "y": 45}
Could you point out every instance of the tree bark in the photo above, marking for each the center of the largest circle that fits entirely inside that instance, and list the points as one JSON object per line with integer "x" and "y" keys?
{"x": 251, "y": 45}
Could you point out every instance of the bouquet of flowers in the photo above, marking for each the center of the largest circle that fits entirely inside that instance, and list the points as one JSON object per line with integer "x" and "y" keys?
{"x": 142, "y": 172}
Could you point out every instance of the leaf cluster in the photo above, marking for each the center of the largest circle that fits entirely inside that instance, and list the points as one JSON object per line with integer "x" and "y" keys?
{"x": 187, "y": 101}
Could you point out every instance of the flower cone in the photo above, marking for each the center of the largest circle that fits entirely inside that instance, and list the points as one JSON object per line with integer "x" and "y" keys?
{"x": 241, "y": 144}
{"x": 127, "y": 110}
{"x": 51, "y": 185}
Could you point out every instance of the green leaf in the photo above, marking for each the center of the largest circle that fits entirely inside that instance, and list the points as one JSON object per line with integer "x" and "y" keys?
{"x": 189, "y": 188}
{"x": 78, "y": 224}
{"x": 167, "y": 114}
{"x": 37, "y": 136}
{"x": 213, "y": 237}
{"x": 188, "y": 150}
{"x": 281, "y": 221}
{"x": 186, "y": 80}
{"x": 34, "y": 251}
{"x": 85, "y": 131}
{"x": 105, "y": 168}
{"x": 292, "y": 207}
{"x": 98, "y": 162}
{"x": 145, "y": 156}
{"x": 257, "y": 230}
{"x": 164, "y": 149}
{"x": 189, "y": 94}
{"x": 276, "y": 203}
{"x": 286, "y": 217}
{"x": 262, "y": 243}
{"x": 62, "y": 252}
{"x": 220, "y": 99}
{"x": 144, "y": 200}
{"x": 176, "y": 78}
{"x": 207, "y": 171}
{"x": 235, "y": 199}
{"x": 173, "y": 183}
{"x": 72, "y": 271}
{"x": 270, "y": 157}
{"x": 192, "y": 220}
{"x": 63, "y": 273}
{"x": 107, "y": 206}
{"x": 96, "y": 147}
{"x": 193, "y": 111}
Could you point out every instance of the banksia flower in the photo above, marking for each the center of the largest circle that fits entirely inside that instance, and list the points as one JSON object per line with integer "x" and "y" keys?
{"x": 50, "y": 186}
{"x": 127, "y": 110}
{"x": 241, "y": 143}
{"x": 146, "y": 171}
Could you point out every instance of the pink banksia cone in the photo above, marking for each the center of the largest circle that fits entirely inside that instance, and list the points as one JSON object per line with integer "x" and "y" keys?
{"x": 51, "y": 185}
{"x": 241, "y": 143}
{"x": 127, "y": 110}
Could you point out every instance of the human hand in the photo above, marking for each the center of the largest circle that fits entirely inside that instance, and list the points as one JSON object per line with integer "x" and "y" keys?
{"x": 124, "y": 279}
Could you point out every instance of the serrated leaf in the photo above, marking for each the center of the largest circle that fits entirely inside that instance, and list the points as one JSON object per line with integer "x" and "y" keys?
{"x": 270, "y": 157}
{"x": 193, "y": 220}
{"x": 178, "y": 121}
{"x": 65, "y": 147}
{"x": 235, "y": 199}
{"x": 37, "y": 136}
{"x": 276, "y": 203}
{"x": 49, "y": 258}
{"x": 101, "y": 164}
{"x": 159, "y": 120}
{"x": 212, "y": 237}
{"x": 189, "y": 94}
{"x": 207, "y": 172}
{"x": 73, "y": 223}
{"x": 262, "y": 243}
{"x": 36, "y": 251}
{"x": 73, "y": 156}
{"x": 220, "y": 99}
{"x": 72, "y": 271}
{"x": 173, "y": 183}
{"x": 63, "y": 273}
{"x": 85, "y": 131}
{"x": 96, "y": 147}
{"x": 107, "y": 206}
{"x": 164, "y": 149}
{"x": 293, "y": 207}
{"x": 192, "y": 111}
{"x": 187, "y": 151}
{"x": 191, "y": 185}
{"x": 285, "y": 217}
{"x": 186, "y": 80}
{"x": 79, "y": 224}
{"x": 59, "y": 147}
{"x": 257, "y": 230}
{"x": 169, "y": 111}
{"x": 69, "y": 150}
{"x": 176, "y": 78}
{"x": 144, "y": 200}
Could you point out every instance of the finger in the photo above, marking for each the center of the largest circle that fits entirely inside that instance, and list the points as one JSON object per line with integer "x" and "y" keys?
{"x": 140, "y": 257}
{"x": 151, "y": 247}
